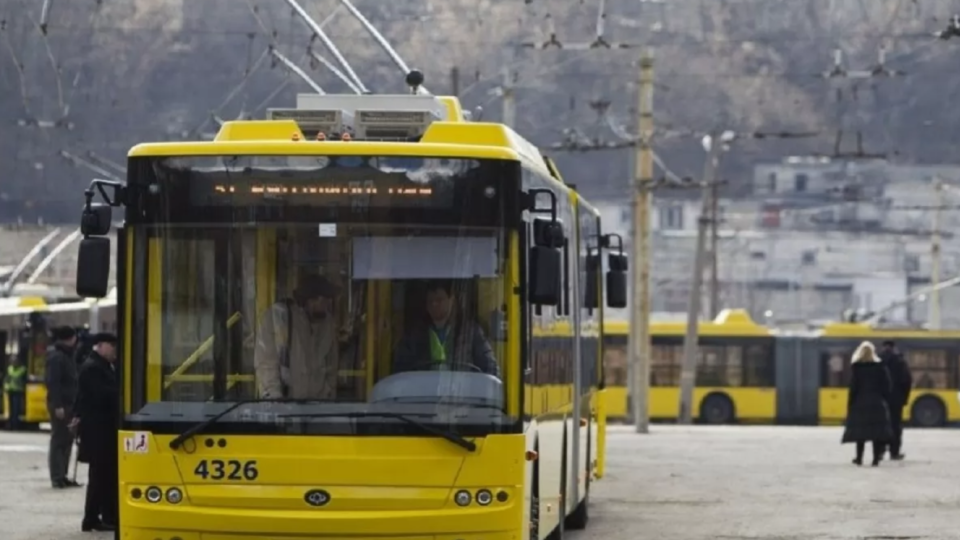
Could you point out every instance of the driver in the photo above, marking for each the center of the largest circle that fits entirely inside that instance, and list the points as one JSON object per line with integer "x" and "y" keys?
{"x": 445, "y": 339}
{"x": 297, "y": 351}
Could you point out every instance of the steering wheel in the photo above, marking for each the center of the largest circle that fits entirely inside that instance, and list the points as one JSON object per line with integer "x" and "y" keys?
{"x": 430, "y": 365}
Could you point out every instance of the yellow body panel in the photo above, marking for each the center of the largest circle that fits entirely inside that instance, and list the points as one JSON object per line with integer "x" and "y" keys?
{"x": 35, "y": 406}
{"x": 664, "y": 403}
{"x": 865, "y": 331}
{"x": 833, "y": 404}
{"x": 729, "y": 323}
{"x": 403, "y": 486}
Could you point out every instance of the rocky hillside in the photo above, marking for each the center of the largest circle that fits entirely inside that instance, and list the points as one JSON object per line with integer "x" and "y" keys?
{"x": 108, "y": 74}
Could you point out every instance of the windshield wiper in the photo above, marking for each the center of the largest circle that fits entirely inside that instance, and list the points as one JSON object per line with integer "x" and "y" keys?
{"x": 200, "y": 426}
{"x": 445, "y": 434}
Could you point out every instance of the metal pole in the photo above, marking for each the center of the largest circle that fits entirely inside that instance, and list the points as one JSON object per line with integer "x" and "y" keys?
{"x": 714, "y": 255}
{"x": 639, "y": 338}
{"x": 689, "y": 370}
{"x": 454, "y": 81}
{"x": 935, "y": 255}
{"x": 509, "y": 113}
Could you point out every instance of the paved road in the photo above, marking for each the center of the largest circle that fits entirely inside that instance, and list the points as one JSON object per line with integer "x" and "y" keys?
{"x": 686, "y": 483}
{"x": 677, "y": 483}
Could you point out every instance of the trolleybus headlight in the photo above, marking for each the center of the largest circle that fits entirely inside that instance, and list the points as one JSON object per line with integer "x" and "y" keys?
{"x": 462, "y": 498}
{"x": 174, "y": 495}
{"x": 154, "y": 494}
{"x": 484, "y": 497}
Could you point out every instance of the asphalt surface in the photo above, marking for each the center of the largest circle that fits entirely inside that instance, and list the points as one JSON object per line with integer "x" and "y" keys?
{"x": 677, "y": 483}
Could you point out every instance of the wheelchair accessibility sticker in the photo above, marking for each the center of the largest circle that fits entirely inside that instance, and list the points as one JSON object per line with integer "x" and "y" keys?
{"x": 137, "y": 444}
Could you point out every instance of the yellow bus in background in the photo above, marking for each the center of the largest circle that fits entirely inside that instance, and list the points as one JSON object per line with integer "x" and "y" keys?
{"x": 933, "y": 357}
{"x": 735, "y": 378}
{"x": 749, "y": 373}
{"x": 25, "y": 332}
{"x": 378, "y": 194}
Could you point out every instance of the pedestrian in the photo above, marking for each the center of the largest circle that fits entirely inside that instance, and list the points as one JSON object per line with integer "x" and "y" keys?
{"x": 902, "y": 382}
{"x": 61, "y": 379}
{"x": 868, "y": 410}
{"x": 95, "y": 422}
{"x": 15, "y": 387}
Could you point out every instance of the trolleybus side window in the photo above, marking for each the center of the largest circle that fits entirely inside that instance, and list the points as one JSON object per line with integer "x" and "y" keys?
{"x": 931, "y": 368}
{"x": 835, "y": 366}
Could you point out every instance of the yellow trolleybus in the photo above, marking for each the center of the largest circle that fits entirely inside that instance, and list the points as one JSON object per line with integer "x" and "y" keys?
{"x": 377, "y": 194}
{"x": 933, "y": 357}
{"x": 736, "y": 367}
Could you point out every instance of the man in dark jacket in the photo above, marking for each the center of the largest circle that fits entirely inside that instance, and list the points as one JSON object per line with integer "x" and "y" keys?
{"x": 902, "y": 382}
{"x": 445, "y": 340}
{"x": 61, "y": 379}
{"x": 96, "y": 424}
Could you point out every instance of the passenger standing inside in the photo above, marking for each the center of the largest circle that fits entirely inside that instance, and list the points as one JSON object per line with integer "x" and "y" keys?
{"x": 868, "y": 411}
{"x": 96, "y": 424}
{"x": 61, "y": 379}
{"x": 15, "y": 387}
{"x": 902, "y": 381}
{"x": 297, "y": 351}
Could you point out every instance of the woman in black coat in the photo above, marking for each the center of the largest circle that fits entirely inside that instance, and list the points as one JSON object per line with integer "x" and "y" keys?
{"x": 868, "y": 415}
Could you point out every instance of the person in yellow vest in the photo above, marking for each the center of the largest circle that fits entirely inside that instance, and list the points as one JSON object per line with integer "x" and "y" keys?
{"x": 15, "y": 386}
{"x": 448, "y": 340}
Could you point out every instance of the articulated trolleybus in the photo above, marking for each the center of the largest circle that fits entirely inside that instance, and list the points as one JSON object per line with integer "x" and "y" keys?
{"x": 413, "y": 214}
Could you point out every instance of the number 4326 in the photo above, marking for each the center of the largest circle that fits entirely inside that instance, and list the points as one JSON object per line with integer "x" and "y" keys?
{"x": 217, "y": 469}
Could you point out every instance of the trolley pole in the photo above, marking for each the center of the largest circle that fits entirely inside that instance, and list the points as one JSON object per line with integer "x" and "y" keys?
{"x": 688, "y": 371}
{"x": 639, "y": 338}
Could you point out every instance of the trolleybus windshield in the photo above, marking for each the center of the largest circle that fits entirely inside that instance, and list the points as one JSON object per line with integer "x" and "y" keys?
{"x": 260, "y": 278}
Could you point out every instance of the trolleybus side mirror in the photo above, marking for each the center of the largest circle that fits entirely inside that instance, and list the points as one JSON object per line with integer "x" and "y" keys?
{"x": 96, "y": 219}
{"x": 544, "y": 261}
{"x": 617, "y": 281}
{"x": 616, "y": 271}
{"x": 544, "y": 276}
{"x": 591, "y": 296}
{"x": 93, "y": 267}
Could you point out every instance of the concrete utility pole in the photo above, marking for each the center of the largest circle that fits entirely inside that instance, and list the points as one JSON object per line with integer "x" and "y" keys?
{"x": 639, "y": 338}
{"x": 689, "y": 370}
{"x": 939, "y": 187}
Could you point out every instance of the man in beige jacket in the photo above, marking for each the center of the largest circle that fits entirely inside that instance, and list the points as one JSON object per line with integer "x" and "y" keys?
{"x": 299, "y": 360}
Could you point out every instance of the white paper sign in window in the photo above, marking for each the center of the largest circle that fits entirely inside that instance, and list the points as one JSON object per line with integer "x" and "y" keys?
{"x": 424, "y": 257}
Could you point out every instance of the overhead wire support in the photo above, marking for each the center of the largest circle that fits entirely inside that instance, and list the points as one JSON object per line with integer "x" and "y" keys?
{"x": 296, "y": 69}
{"x": 327, "y": 42}
{"x": 599, "y": 40}
{"x": 839, "y": 71}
